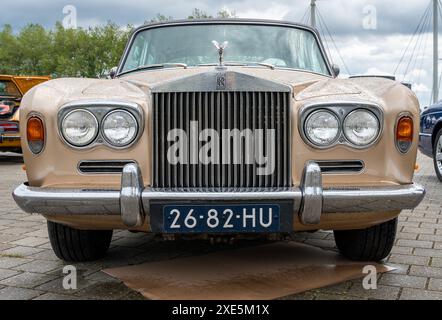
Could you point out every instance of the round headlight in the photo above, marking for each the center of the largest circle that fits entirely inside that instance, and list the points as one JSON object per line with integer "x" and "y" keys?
{"x": 119, "y": 128}
{"x": 79, "y": 127}
{"x": 361, "y": 127}
{"x": 322, "y": 127}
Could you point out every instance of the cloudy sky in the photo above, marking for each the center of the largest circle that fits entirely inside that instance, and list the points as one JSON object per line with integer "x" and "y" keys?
{"x": 371, "y": 35}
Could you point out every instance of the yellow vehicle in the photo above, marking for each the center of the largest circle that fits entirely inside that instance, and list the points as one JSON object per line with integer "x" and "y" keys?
{"x": 12, "y": 89}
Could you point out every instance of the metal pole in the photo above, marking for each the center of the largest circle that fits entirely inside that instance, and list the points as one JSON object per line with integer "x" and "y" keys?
{"x": 435, "y": 51}
{"x": 313, "y": 13}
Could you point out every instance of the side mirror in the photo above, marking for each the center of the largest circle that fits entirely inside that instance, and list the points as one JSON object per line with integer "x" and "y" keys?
{"x": 336, "y": 69}
{"x": 112, "y": 73}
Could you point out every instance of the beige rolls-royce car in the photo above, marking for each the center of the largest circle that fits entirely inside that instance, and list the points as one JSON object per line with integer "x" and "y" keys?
{"x": 220, "y": 129}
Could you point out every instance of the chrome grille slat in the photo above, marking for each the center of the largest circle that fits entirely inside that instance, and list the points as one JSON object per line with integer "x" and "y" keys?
{"x": 221, "y": 110}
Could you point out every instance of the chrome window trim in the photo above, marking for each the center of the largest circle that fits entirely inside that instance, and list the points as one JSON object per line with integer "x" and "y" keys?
{"x": 399, "y": 116}
{"x": 342, "y": 109}
{"x": 261, "y": 22}
{"x": 100, "y": 109}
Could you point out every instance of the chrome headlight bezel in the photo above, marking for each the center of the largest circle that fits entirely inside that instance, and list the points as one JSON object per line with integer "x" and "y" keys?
{"x": 342, "y": 110}
{"x": 95, "y": 125}
{"x": 109, "y": 139}
{"x": 310, "y": 136}
{"x": 346, "y": 134}
{"x": 100, "y": 109}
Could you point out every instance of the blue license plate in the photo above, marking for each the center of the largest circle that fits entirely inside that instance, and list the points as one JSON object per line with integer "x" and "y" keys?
{"x": 221, "y": 218}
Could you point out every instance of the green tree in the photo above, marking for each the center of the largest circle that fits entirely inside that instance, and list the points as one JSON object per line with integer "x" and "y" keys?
{"x": 61, "y": 52}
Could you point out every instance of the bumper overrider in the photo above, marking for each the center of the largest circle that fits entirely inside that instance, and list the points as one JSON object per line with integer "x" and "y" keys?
{"x": 133, "y": 201}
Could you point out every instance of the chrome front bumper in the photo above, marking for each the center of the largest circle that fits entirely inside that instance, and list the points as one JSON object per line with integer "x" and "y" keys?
{"x": 132, "y": 202}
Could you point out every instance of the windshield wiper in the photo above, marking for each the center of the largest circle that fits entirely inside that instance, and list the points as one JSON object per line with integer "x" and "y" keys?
{"x": 156, "y": 66}
{"x": 241, "y": 63}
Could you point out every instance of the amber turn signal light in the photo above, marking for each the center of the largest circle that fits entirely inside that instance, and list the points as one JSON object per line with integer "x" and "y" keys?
{"x": 35, "y": 134}
{"x": 404, "y": 134}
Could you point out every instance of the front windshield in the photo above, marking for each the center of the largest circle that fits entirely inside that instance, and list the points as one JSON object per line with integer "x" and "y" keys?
{"x": 285, "y": 47}
{"x": 8, "y": 89}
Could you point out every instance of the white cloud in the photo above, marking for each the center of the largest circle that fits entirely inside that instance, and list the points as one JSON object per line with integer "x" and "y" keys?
{"x": 364, "y": 51}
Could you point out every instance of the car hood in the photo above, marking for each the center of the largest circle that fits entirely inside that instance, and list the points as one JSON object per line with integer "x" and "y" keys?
{"x": 306, "y": 86}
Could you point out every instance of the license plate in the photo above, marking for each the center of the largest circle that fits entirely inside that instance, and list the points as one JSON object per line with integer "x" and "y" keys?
{"x": 221, "y": 218}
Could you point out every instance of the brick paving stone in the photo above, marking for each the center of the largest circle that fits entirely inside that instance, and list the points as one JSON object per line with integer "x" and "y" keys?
{"x": 405, "y": 258}
{"x": 418, "y": 294}
{"x": 56, "y": 296}
{"x": 104, "y": 291}
{"x": 407, "y": 236}
{"x": 419, "y": 230}
{"x": 10, "y": 262}
{"x": 7, "y": 273}
{"x": 41, "y": 266}
{"x": 56, "y": 286}
{"x": 30, "y": 242}
{"x": 414, "y": 243}
{"x": 17, "y": 231}
{"x": 427, "y": 252}
{"x": 402, "y": 250}
{"x": 432, "y": 272}
{"x": 22, "y": 251}
{"x": 382, "y": 292}
{"x": 436, "y": 262}
{"x": 12, "y": 293}
{"x": 435, "y": 284}
{"x": 27, "y": 280}
{"x": 26, "y": 254}
{"x": 405, "y": 281}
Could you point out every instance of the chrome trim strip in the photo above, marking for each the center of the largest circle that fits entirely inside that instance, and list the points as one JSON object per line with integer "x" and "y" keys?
{"x": 101, "y": 165}
{"x": 131, "y": 187}
{"x": 311, "y": 186}
{"x": 131, "y": 199}
{"x": 372, "y": 199}
{"x": 425, "y": 134}
{"x": 337, "y": 167}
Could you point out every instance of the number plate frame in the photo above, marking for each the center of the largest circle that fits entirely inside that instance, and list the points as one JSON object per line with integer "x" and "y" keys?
{"x": 157, "y": 216}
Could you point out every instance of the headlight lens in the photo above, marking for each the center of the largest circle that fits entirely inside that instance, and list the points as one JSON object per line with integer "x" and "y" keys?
{"x": 361, "y": 127}
{"x": 119, "y": 128}
{"x": 79, "y": 127}
{"x": 322, "y": 127}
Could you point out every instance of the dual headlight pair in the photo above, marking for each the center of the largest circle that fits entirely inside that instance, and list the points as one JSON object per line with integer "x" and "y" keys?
{"x": 80, "y": 127}
{"x": 360, "y": 127}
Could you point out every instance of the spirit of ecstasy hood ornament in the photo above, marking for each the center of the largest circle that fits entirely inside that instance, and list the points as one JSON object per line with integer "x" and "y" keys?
{"x": 221, "y": 48}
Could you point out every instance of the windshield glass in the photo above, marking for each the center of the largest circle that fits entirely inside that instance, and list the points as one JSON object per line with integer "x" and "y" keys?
{"x": 285, "y": 47}
{"x": 8, "y": 89}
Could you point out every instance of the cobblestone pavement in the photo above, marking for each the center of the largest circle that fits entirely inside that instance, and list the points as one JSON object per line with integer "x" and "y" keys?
{"x": 30, "y": 270}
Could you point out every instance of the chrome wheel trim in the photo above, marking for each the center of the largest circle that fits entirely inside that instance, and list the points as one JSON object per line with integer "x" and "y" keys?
{"x": 438, "y": 155}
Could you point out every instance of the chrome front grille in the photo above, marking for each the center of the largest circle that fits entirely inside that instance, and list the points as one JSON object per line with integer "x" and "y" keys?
{"x": 220, "y": 110}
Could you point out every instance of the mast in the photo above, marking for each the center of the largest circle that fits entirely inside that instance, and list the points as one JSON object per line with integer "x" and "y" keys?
{"x": 435, "y": 51}
{"x": 313, "y": 13}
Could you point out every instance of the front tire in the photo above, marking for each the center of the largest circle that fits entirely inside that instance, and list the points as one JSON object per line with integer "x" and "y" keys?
{"x": 73, "y": 245}
{"x": 437, "y": 154}
{"x": 371, "y": 244}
